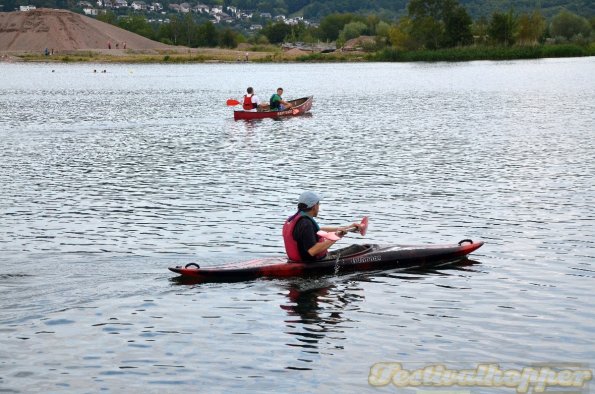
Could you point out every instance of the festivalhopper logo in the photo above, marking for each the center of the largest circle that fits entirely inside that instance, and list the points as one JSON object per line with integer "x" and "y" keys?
{"x": 528, "y": 379}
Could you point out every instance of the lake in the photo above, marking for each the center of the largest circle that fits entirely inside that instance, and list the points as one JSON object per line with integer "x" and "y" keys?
{"x": 107, "y": 178}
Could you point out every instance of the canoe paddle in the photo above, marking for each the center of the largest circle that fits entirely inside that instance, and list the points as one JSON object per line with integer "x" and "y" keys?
{"x": 363, "y": 228}
{"x": 232, "y": 102}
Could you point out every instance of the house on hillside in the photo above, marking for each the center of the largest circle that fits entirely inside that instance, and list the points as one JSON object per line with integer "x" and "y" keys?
{"x": 138, "y": 5}
{"x": 106, "y": 3}
{"x": 216, "y": 9}
{"x": 201, "y": 9}
{"x": 185, "y": 8}
{"x": 294, "y": 21}
{"x": 174, "y": 7}
{"x": 232, "y": 11}
{"x": 90, "y": 11}
{"x": 222, "y": 17}
{"x": 26, "y": 7}
{"x": 120, "y": 4}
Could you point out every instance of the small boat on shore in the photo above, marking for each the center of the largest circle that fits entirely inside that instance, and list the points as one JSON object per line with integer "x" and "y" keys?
{"x": 298, "y": 107}
{"x": 351, "y": 259}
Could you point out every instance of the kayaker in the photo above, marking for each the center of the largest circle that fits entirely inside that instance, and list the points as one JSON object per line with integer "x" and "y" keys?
{"x": 299, "y": 231}
{"x": 277, "y": 103}
{"x": 251, "y": 101}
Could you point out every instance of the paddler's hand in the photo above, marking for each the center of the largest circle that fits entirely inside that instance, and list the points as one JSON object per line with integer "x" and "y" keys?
{"x": 353, "y": 227}
{"x": 341, "y": 231}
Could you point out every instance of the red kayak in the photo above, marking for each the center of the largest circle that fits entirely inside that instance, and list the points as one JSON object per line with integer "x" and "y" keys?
{"x": 353, "y": 258}
{"x": 299, "y": 107}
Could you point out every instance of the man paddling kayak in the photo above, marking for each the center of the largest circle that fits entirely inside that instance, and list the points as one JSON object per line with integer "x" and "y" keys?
{"x": 299, "y": 231}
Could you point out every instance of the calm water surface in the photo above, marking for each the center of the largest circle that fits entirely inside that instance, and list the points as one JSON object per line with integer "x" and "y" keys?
{"x": 106, "y": 179}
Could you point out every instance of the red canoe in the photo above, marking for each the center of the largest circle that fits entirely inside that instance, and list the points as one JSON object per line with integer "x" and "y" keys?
{"x": 350, "y": 259}
{"x": 299, "y": 107}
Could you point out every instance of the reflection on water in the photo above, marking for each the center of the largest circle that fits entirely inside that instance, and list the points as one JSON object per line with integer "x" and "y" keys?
{"x": 316, "y": 318}
{"x": 108, "y": 179}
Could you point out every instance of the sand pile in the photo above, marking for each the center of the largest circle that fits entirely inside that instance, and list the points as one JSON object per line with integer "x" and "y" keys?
{"x": 61, "y": 30}
{"x": 295, "y": 52}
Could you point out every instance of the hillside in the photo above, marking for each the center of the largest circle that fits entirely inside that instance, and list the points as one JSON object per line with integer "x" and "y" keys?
{"x": 549, "y": 8}
{"x": 63, "y": 30}
{"x": 316, "y": 9}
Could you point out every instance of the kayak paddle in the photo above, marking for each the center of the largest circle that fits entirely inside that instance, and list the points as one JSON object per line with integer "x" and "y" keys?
{"x": 363, "y": 228}
{"x": 232, "y": 102}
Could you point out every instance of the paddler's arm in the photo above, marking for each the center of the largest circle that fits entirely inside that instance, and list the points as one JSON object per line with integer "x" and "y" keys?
{"x": 342, "y": 229}
{"x": 330, "y": 229}
{"x": 320, "y": 247}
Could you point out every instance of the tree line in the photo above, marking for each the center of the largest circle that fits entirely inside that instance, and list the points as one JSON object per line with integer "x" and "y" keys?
{"x": 428, "y": 24}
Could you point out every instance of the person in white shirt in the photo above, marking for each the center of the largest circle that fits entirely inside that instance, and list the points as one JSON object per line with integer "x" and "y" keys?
{"x": 251, "y": 101}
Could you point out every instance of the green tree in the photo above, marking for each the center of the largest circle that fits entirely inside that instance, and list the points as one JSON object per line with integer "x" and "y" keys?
{"x": 382, "y": 29}
{"x": 531, "y": 28}
{"x": 229, "y": 39}
{"x": 191, "y": 30}
{"x": 171, "y": 31}
{"x": 297, "y": 33}
{"x": 109, "y": 17}
{"x": 353, "y": 30}
{"x": 502, "y": 28}
{"x": 208, "y": 36}
{"x": 457, "y": 28}
{"x": 371, "y": 22}
{"x": 400, "y": 35}
{"x": 331, "y": 25}
{"x": 568, "y": 25}
{"x": 137, "y": 24}
{"x": 439, "y": 23}
{"x": 479, "y": 30}
{"x": 276, "y": 32}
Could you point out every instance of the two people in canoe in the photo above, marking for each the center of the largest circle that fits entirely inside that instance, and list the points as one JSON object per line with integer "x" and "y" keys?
{"x": 252, "y": 103}
{"x": 302, "y": 243}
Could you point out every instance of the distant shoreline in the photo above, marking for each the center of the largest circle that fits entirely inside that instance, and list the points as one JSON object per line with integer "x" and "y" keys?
{"x": 214, "y": 55}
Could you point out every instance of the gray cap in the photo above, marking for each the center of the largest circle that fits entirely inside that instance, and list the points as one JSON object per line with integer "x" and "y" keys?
{"x": 309, "y": 199}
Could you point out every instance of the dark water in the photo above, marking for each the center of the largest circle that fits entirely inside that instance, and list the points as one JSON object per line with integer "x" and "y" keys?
{"x": 106, "y": 179}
